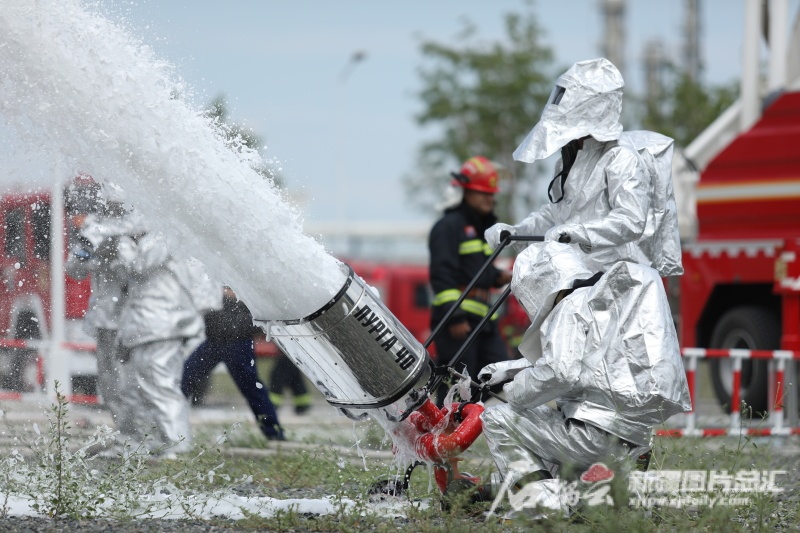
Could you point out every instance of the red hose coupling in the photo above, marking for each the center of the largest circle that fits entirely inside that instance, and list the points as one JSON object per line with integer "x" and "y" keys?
{"x": 454, "y": 439}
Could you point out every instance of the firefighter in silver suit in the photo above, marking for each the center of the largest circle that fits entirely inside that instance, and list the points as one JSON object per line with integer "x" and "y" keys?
{"x": 95, "y": 253}
{"x": 600, "y": 196}
{"x": 603, "y": 347}
{"x": 160, "y": 325}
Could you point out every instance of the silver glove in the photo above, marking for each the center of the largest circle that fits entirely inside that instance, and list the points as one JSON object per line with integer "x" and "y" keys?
{"x": 569, "y": 233}
{"x": 495, "y": 373}
{"x": 492, "y": 235}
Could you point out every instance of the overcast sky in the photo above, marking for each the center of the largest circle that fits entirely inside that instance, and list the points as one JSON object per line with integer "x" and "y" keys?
{"x": 281, "y": 66}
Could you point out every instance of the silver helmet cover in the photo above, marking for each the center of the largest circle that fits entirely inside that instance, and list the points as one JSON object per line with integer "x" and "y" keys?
{"x": 586, "y": 100}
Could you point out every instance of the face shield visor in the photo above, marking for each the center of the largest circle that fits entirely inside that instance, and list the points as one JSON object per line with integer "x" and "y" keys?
{"x": 556, "y": 95}
{"x": 586, "y": 100}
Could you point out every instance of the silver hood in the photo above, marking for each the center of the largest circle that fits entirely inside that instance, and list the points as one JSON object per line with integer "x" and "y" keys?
{"x": 586, "y": 100}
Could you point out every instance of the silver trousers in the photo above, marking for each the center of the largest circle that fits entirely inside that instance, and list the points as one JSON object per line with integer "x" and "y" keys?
{"x": 162, "y": 409}
{"x": 113, "y": 381}
{"x": 528, "y": 440}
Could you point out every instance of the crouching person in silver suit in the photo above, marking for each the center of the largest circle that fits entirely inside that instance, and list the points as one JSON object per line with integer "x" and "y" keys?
{"x": 603, "y": 347}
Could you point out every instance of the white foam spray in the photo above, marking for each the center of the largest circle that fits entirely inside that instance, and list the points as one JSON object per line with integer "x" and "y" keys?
{"x": 84, "y": 89}
{"x": 80, "y": 87}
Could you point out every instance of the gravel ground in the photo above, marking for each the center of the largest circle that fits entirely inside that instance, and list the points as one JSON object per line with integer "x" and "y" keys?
{"x": 46, "y": 525}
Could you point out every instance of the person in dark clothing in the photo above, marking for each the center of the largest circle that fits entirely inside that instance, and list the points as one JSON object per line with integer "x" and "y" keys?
{"x": 229, "y": 339}
{"x": 457, "y": 252}
{"x": 286, "y": 374}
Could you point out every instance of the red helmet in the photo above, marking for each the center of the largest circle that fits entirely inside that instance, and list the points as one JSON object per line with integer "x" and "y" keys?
{"x": 477, "y": 174}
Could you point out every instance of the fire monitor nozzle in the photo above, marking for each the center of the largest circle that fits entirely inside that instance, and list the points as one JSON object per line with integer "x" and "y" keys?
{"x": 357, "y": 353}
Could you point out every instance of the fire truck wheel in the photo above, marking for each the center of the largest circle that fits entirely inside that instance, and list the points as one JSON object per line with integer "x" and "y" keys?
{"x": 751, "y": 328}
{"x": 84, "y": 384}
{"x": 22, "y": 359}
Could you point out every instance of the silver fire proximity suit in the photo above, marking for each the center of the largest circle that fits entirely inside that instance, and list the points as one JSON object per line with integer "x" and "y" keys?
{"x": 96, "y": 254}
{"x": 604, "y": 199}
{"x": 159, "y": 326}
{"x": 607, "y": 353}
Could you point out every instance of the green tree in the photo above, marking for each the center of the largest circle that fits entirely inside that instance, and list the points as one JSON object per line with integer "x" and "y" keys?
{"x": 482, "y": 98}
{"x": 685, "y": 107}
{"x": 237, "y": 137}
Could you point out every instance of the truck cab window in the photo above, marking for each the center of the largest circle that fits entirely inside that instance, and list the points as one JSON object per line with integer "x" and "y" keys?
{"x": 422, "y": 296}
{"x": 15, "y": 233}
{"x": 41, "y": 230}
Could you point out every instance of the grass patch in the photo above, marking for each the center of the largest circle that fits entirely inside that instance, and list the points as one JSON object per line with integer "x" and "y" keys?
{"x": 223, "y": 390}
{"x": 67, "y": 482}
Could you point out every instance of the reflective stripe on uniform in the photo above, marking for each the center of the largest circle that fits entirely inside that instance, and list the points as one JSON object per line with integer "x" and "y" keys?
{"x": 303, "y": 400}
{"x": 446, "y": 296}
{"x": 475, "y": 246}
{"x": 470, "y": 306}
{"x": 276, "y": 399}
{"x": 476, "y": 308}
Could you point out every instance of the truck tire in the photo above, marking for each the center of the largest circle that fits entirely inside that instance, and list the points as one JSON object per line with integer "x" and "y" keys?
{"x": 26, "y": 328}
{"x": 84, "y": 384}
{"x": 750, "y": 328}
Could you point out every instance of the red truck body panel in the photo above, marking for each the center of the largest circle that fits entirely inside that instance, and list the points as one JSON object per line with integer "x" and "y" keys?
{"x": 25, "y": 259}
{"x": 748, "y": 212}
{"x": 751, "y": 190}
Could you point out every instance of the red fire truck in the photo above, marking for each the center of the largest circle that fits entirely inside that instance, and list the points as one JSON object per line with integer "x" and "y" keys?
{"x": 25, "y": 323}
{"x": 741, "y": 286}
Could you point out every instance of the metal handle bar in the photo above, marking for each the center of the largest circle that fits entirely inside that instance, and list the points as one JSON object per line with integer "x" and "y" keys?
{"x": 477, "y": 385}
{"x": 505, "y": 239}
{"x": 437, "y": 379}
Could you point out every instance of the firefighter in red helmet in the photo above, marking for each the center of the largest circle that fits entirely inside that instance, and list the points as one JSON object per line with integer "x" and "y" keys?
{"x": 457, "y": 252}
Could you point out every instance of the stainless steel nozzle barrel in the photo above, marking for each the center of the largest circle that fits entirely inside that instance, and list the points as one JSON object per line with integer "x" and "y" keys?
{"x": 355, "y": 351}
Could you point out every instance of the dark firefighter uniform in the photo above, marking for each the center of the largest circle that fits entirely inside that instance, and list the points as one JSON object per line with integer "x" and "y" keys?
{"x": 458, "y": 250}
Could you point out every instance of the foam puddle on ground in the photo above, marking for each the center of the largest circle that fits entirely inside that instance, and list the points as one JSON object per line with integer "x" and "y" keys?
{"x": 235, "y": 507}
